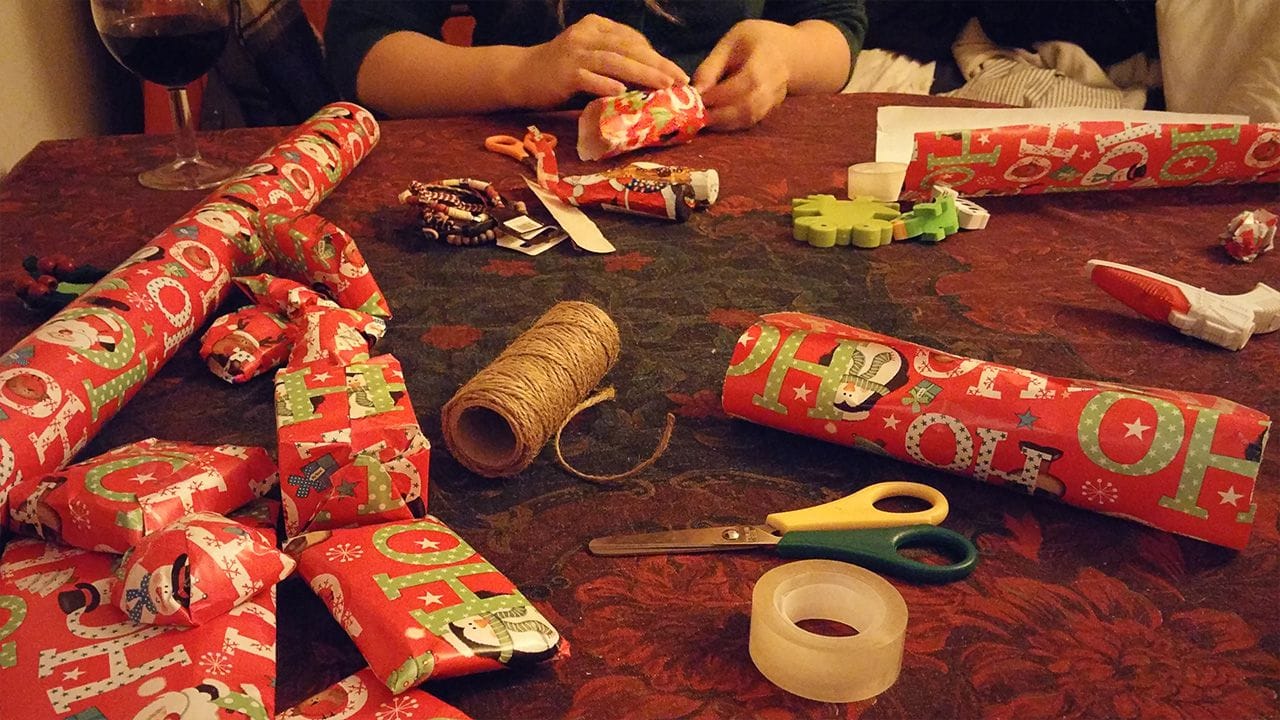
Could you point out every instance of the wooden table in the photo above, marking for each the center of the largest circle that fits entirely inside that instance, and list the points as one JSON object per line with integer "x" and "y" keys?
{"x": 1069, "y": 614}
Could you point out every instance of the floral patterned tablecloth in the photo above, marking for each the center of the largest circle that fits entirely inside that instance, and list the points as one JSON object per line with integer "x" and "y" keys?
{"x": 1069, "y": 613}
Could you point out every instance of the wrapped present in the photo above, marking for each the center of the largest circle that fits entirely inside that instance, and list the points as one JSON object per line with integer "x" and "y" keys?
{"x": 61, "y": 383}
{"x": 1091, "y": 155}
{"x": 321, "y": 329}
{"x": 1181, "y": 462}
{"x": 635, "y": 192}
{"x": 1250, "y": 234}
{"x": 67, "y": 652}
{"x": 420, "y": 603}
{"x": 110, "y": 502}
{"x": 196, "y": 569}
{"x": 611, "y": 126}
{"x": 350, "y": 448}
{"x": 313, "y": 249}
{"x": 363, "y": 697}
{"x": 246, "y": 343}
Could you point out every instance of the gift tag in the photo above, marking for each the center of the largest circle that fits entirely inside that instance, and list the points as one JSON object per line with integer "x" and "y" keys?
{"x": 581, "y": 229}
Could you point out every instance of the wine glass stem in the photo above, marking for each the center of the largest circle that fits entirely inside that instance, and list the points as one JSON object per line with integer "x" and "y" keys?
{"x": 185, "y": 139}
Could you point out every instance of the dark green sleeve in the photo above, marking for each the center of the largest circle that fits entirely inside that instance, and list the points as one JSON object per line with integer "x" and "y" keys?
{"x": 355, "y": 26}
{"x": 849, "y": 16}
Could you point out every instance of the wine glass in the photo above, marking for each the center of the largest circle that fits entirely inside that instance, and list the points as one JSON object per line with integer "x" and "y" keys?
{"x": 170, "y": 43}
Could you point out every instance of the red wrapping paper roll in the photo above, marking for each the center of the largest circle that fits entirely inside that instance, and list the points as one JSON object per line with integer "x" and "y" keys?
{"x": 1181, "y": 462}
{"x": 61, "y": 383}
{"x": 1095, "y": 155}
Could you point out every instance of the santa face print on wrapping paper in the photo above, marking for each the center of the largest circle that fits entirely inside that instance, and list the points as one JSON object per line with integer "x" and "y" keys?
{"x": 511, "y": 636}
{"x": 30, "y": 392}
{"x": 340, "y": 701}
{"x": 91, "y": 332}
{"x": 876, "y": 370}
{"x": 210, "y": 700}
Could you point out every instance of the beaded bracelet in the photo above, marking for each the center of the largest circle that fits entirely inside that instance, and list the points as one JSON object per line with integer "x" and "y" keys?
{"x": 459, "y": 211}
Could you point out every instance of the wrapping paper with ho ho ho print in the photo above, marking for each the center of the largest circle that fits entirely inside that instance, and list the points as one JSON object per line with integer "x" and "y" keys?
{"x": 110, "y": 502}
{"x": 350, "y": 448}
{"x": 313, "y": 249}
{"x": 196, "y": 569}
{"x": 420, "y": 603}
{"x": 1091, "y": 155}
{"x": 321, "y": 330}
{"x": 363, "y": 697}
{"x": 1181, "y": 462}
{"x": 611, "y": 126}
{"x": 61, "y": 383}
{"x": 67, "y": 652}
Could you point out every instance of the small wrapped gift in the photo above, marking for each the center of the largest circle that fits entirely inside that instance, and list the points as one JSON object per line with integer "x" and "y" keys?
{"x": 614, "y": 125}
{"x": 1250, "y": 234}
{"x": 67, "y": 652}
{"x": 321, "y": 330}
{"x": 246, "y": 343}
{"x": 351, "y": 451}
{"x": 363, "y": 697}
{"x": 112, "y": 501}
{"x": 420, "y": 603}
{"x": 196, "y": 569}
{"x": 315, "y": 250}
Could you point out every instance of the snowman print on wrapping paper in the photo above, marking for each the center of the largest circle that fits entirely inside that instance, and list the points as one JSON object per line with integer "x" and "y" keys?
{"x": 875, "y": 371}
{"x": 165, "y": 591}
{"x": 514, "y": 636}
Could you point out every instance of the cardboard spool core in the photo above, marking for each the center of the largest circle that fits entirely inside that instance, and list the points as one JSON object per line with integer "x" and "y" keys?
{"x": 486, "y": 438}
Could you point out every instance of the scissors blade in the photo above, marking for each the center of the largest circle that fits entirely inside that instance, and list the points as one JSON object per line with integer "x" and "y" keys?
{"x": 728, "y": 537}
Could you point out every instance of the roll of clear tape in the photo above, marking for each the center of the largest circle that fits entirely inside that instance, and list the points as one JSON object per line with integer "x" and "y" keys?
{"x": 822, "y": 667}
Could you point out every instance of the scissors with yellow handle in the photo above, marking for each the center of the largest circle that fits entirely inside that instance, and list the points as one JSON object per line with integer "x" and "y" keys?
{"x": 851, "y": 529}
{"x": 517, "y": 149}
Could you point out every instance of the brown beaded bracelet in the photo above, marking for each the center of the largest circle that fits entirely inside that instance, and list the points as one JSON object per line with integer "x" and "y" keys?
{"x": 459, "y": 210}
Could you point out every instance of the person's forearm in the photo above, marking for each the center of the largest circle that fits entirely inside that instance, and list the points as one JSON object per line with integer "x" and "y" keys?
{"x": 818, "y": 55}
{"x": 407, "y": 74}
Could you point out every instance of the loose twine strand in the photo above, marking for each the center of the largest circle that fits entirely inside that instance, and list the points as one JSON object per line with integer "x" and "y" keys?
{"x": 536, "y": 386}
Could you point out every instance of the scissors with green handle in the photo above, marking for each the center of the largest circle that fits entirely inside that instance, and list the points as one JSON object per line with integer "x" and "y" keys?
{"x": 850, "y": 529}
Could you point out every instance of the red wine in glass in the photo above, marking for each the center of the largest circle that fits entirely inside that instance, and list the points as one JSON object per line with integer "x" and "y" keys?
{"x": 170, "y": 43}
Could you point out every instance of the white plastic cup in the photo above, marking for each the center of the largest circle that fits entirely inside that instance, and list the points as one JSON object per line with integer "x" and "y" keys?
{"x": 879, "y": 180}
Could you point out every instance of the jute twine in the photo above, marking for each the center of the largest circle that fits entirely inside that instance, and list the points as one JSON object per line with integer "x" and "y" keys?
{"x": 498, "y": 422}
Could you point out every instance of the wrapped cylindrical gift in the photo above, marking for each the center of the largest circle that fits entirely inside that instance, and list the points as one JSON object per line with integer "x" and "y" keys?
{"x": 246, "y": 343}
{"x": 611, "y": 126}
{"x": 67, "y": 652}
{"x": 61, "y": 383}
{"x": 1092, "y": 155}
{"x": 1181, "y": 462}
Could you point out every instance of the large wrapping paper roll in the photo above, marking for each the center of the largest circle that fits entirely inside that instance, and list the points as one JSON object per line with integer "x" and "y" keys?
{"x": 1093, "y": 155}
{"x": 61, "y": 383}
{"x": 1181, "y": 462}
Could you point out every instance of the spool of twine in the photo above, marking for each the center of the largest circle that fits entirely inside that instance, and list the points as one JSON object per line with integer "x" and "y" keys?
{"x": 497, "y": 423}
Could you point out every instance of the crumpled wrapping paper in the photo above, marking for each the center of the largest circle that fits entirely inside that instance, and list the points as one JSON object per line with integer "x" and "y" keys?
{"x": 1178, "y": 461}
{"x": 61, "y": 383}
{"x": 110, "y": 502}
{"x": 615, "y": 125}
{"x": 196, "y": 569}
{"x": 311, "y": 248}
{"x": 1091, "y": 155}
{"x": 363, "y": 697}
{"x": 420, "y": 603}
{"x": 1250, "y": 234}
{"x": 350, "y": 447}
{"x": 67, "y": 652}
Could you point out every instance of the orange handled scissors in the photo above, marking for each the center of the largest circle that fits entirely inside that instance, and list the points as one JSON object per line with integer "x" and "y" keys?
{"x": 516, "y": 149}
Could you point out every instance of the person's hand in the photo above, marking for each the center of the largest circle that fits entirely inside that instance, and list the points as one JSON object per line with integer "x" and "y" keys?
{"x": 746, "y": 74}
{"x": 594, "y": 55}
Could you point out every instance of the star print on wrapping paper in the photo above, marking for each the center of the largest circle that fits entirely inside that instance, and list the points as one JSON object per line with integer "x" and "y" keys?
{"x": 143, "y": 477}
{"x": 346, "y": 489}
{"x": 148, "y": 328}
{"x": 430, "y": 598}
{"x": 1136, "y": 429}
{"x": 746, "y": 339}
{"x": 802, "y": 392}
{"x": 72, "y": 674}
{"x": 891, "y": 421}
{"x": 1026, "y": 419}
{"x": 1230, "y": 496}
{"x": 321, "y": 376}
{"x": 425, "y": 543}
{"x": 73, "y": 358}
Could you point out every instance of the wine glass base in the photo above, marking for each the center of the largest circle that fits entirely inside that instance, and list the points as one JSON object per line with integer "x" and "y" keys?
{"x": 187, "y": 174}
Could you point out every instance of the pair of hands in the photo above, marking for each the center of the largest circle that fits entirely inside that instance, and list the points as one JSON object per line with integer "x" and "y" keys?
{"x": 743, "y": 78}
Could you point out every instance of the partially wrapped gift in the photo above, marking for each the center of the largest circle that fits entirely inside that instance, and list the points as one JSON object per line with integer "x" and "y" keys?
{"x": 350, "y": 448}
{"x": 321, "y": 329}
{"x": 363, "y": 697}
{"x": 246, "y": 343}
{"x": 196, "y": 569}
{"x": 611, "y": 126}
{"x": 315, "y": 250}
{"x": 112, "y": 501}
{"x": 420, "y": 603}
{"x": 67, "y": 652}
{"x": 1178, "y": 461}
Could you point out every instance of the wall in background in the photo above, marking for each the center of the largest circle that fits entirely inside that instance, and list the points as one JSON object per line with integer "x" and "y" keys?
{"x": 58, "y": 79}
